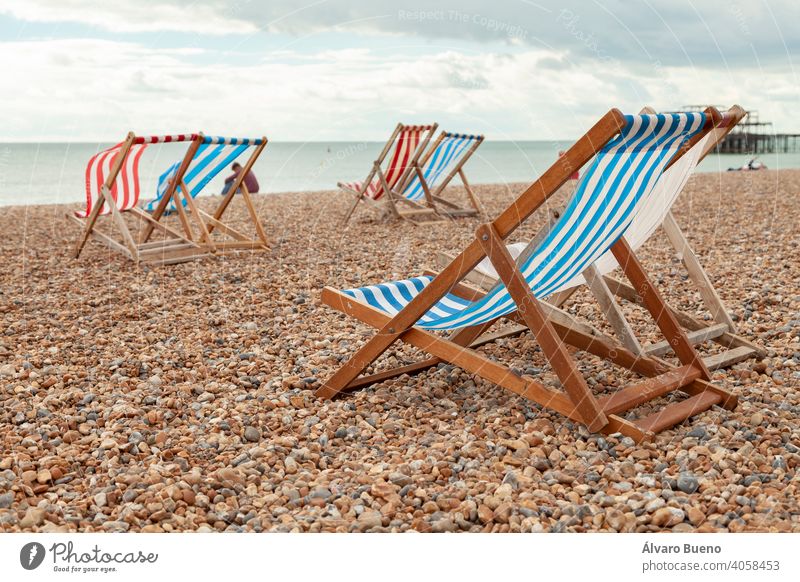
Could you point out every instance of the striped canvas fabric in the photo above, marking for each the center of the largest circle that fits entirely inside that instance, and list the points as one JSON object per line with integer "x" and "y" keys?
{"x": 405, "y": 148}
{"x": 653, "y": 209}
{"x": 448, "y": 154}
{"x": 125, "y": 189}
{"x": 623, "y": 174}
{"x": 648, "y": 216}
{"x": 212, "y": 156}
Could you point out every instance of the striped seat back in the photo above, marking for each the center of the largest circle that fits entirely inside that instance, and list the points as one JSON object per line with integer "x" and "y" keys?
{"x": 213, "y": 155}
{"x": 125, "y": 189}
{"x": 405, "y": 150}
{"x": 447, "y": 153}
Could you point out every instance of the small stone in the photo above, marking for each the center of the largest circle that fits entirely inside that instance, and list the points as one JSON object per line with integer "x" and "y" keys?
{"x": 654, "y": 504}
{"x": 399, "y": 479}
{"x": 504, "y": 491}
{"x": 33, "y": 517}
{"x": 44, "y": 476}
{"x": 615, "y": 519}
{"x": 695, "y": 516}
{"x": 667, "y": 517}
{"x": 340, "y": 433}
{"x": 6, "y": 499}
{"x": 290, "y": 465}
{"x": 485, "y": 514}
{"x": 7, "y": 370}
{"x": 108, "y": 444}
{"x": 687, "y": 482}
{"x": 370, "y": 519}
{"x": 252, "y": 434}
{"x": 756, "y": 419}
{"x": 101, "y": 499}
{"x": 502, "y": 513}
{"x": 443, "y": 525}
{"x": 383, "y": 490}
{"x": 698, "y": 432}
{"x": 511, "y": 479}
{"x": 321, "y": 493}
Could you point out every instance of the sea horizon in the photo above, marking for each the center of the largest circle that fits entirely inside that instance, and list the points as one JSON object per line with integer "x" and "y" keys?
{"x": 53, "y": 172}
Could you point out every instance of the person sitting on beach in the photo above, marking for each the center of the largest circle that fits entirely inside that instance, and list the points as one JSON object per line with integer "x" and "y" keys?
{"x": 250, "y": 181}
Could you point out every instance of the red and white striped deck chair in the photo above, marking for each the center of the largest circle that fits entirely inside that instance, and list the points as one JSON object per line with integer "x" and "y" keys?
{"x": 124, "y": 179}
{"x": 112, "y": 187}
{"x": 406, "y": 145}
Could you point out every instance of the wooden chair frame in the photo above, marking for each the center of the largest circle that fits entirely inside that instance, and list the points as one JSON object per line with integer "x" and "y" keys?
{"x": 606, "y": 289}
{"x": 552, "y": 333}
{"x": 176, "y": 247}
{"x": 392, "y": 199}
{"x": 433, "y": 197}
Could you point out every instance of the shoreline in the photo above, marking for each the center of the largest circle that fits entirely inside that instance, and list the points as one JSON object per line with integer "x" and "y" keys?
{"x": 181, "y": 398}
{"x": 515, "y": 185}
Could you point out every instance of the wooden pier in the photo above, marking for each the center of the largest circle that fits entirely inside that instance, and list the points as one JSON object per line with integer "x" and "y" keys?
{"x": 753, "y": 136}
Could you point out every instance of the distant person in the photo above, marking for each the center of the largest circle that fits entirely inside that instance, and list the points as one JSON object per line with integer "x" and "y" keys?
{"x": 250, "y": 181}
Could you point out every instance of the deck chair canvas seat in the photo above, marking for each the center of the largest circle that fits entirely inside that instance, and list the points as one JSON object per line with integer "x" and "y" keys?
{"x": 657, "y": 213}
{"x": 406, "y": 144}
{"x": 629, "y": 155}
{"x": 113, "y": 187}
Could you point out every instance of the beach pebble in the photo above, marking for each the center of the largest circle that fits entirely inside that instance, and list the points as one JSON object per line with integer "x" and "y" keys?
{"x": 252, "y": 434}
{"x": 33, "y": 517}
{"x": 667, "y": 517}
{"x": 687, "y": 482}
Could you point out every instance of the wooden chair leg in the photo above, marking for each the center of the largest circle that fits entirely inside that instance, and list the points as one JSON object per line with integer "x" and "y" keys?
{"x": 347, "y": 216}
{"x": 387, "y": 192}
{"x": 696, "y": 272}
{"x": 536, "y": 320}
{"x": 472, "y": 197}
{"x": 611, "y": 309}
{"x": 655, "y": 304}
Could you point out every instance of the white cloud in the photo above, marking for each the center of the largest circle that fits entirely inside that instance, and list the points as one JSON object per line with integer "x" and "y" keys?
{"x": 128, "y": 16}
{"x": 90, "y": 89}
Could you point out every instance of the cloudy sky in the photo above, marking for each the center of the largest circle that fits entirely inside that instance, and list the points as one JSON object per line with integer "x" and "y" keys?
{"x": 77, "y": 70}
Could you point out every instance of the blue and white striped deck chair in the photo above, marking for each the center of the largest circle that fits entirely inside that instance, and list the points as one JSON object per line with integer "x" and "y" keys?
{"x": 655, "y": 213}
{"x": 628, "y": 155}
{"x": 214, "y": 155}
{"x": 444, "y": 160}
{"x": 184, "y": 180}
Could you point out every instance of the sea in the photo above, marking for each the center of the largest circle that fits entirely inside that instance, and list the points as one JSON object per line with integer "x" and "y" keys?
{"x": 53, "y": 173}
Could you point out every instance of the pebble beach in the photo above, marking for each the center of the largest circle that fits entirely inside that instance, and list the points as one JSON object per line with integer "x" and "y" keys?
{"x": 180, "y": 398}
